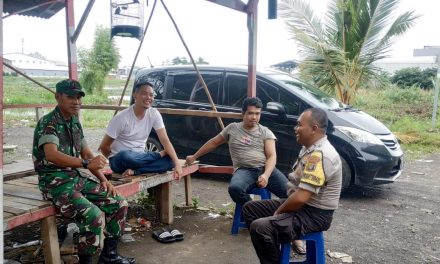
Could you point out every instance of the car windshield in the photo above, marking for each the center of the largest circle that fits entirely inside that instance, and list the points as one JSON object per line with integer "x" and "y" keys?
{"x": 308, "y": 92}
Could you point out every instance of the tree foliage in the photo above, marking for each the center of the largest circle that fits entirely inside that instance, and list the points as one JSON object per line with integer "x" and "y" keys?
{"x": 185, "y": 61}
{"x": 37, "y": 55}
{"x": 97, "y": 62}
{"x": 408, "y": 77}
{"x": 339, "y": 50}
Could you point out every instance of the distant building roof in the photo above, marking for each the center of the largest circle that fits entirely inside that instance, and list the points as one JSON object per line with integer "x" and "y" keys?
{"x": 286, "y": 66}
{"x": 406, "y": 60}
{"x": 391, "y": 65}
{"x": 427, "y": 51}
{"x": 23, "y": 61}
{"x": 36, "y": 8}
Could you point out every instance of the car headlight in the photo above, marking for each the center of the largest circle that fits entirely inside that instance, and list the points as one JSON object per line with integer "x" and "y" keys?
{"x": 359, "y": 135}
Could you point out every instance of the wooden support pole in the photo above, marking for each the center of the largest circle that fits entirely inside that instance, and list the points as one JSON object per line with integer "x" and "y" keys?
{"x": 38, "y": 113}
{"x": 163, "y": 202}
{"x": 201, "y": 80}
{"x": 51, "y": 249}
{"x": 71, "y": 45}
{"x": 252, "y": 24}
{"x": 188, "y": 190}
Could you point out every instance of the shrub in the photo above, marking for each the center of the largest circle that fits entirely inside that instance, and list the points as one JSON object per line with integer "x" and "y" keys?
{"x": 409, "y": 77}
{"x": 145, "y": 200}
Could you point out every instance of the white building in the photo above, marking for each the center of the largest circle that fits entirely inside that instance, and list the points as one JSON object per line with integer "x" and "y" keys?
{"x": 422, "y": 58}
{"x": 390, "y": 65}
{"x": 37, "y": 67}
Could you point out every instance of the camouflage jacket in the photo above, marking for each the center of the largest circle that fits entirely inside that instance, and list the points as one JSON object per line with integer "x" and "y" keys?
{"x": 66, "y": 134}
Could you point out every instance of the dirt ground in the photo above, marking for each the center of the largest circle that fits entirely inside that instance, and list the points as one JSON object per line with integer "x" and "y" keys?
{"x": 395, "y": 223}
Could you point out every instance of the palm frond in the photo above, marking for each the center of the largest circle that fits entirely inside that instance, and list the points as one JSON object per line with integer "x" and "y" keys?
{"x": 299, "y": 15}
{"x": 333, "y": 20}
{"x": 380, "y": 18}
{"x": 399, "y": 26}
{"x": 338, "y": 56}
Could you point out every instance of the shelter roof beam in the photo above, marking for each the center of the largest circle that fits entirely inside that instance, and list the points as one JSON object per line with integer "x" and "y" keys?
{"x": 82, "y": 21}
{"x": 32, "y": 8}
{"x": 234, "y": 4}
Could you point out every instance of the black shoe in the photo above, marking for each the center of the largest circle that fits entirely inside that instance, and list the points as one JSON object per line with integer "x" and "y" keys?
{"x": 85, "y": 259}
{"x": 109, "y": 254}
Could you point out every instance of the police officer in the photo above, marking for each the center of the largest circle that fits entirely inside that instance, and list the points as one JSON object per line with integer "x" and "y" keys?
{"x": 59, "y": 149}
{"x": 314, "y": 187}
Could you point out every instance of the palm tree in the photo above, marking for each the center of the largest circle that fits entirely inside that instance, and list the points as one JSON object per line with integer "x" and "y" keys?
{"x": 339, "y": 51}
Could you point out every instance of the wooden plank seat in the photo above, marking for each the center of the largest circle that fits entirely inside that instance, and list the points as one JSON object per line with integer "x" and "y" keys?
{"x": 161, "y": 184}
{"x": 211, "y": 169}
{"x": 23, "y": 202}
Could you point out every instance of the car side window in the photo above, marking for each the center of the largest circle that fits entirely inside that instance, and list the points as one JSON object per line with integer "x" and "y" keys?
{"x": 182, "y": 86}
{"x": 236, "y": 89}
{"x": 267, "y": 92}
{"x": 157, "y": 79}
{"x": 213, "y": 82}
{"x": 291, "y": 103}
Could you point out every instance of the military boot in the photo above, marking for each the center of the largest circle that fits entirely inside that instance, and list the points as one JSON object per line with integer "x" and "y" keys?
{"x": 109, "y": 254}
{"x": 85, "y": 259}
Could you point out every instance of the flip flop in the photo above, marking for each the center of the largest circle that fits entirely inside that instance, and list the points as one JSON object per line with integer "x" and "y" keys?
{"x": 178, "y": 236}
{"x": 299, "y": 247}
{"x": 163, "y": 236}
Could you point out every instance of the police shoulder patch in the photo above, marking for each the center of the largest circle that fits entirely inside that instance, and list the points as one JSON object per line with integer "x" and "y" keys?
{"x": 314, "y": 170}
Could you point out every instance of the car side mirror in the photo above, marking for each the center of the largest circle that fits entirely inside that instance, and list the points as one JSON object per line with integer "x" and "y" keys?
{"x": 276, "y": 108}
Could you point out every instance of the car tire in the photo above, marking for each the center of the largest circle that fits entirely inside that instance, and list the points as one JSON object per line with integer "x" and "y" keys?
{"x": 346, "y": 175}
{"x": 153, "y": 145}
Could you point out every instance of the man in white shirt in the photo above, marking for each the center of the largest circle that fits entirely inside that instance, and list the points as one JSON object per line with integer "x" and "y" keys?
{"x": 127, "y": 133}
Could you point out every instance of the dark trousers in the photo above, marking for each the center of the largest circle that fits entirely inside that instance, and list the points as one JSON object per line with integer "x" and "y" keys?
{"x": 244, "y": 180}
{"x": 140, "y": 162}
{"x": 269, "y": 231}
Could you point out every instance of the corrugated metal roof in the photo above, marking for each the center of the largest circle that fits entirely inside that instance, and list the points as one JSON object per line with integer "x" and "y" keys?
{"x": 35, "y": 8}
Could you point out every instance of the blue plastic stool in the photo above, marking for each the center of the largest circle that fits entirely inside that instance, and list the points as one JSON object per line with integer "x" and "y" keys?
{"x": 314, "y": 246}
{"x": 238, "y": 221}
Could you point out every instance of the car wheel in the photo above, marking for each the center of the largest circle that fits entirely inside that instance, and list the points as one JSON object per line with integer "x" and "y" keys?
{"x": 153, "y": 145}
{"x": 346, "y": 175}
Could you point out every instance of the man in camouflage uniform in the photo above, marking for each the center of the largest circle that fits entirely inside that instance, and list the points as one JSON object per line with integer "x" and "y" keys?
{"x": 59, "y": 149}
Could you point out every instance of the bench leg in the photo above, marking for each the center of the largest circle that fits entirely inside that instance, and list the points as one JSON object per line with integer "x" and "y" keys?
{"x": 188, "y": 190}
{"x": 164, "y": 201}
{"x": 51, "y": 249}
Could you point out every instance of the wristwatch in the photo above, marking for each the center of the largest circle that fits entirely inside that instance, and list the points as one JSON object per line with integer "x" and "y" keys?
{"x": 85, "y": 163}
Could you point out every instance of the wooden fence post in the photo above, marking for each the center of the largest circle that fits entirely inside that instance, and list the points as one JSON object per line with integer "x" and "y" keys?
{"x": 38, "y": 113}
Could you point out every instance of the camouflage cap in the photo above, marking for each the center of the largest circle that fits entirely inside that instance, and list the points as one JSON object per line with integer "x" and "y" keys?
{"x": 69, "y": 87}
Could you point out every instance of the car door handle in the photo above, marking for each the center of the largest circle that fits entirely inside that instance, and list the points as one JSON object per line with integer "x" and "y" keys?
{"x": 203, "y": 109}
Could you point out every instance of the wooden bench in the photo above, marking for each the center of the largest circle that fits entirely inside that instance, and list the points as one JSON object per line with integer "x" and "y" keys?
{"x": 212, "y": 169}
{"x": 23, "y": 202}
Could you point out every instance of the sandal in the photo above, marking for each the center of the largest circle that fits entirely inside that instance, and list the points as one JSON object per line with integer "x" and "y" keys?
{"x": 299, "y": 247}
{"x": 163, "y": 236}
{"x": 178, "y": 236}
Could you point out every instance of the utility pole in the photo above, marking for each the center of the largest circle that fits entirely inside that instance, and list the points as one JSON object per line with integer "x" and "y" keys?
{"x": 436, "y": 88}
{"x": 22, "y": 45}
{"x": 432, "y": 51}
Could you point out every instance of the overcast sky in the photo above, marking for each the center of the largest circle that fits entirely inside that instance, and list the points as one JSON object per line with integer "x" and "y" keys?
{"x": 216, "y": 33}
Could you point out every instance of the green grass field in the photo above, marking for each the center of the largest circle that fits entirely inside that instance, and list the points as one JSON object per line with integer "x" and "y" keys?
{"x": 407, "y": 113}
{"x": 18, "y": 90}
